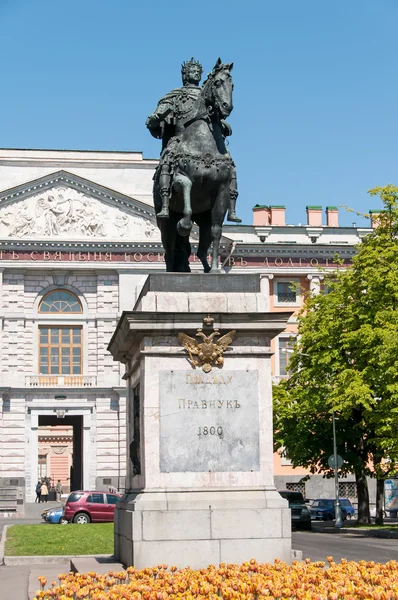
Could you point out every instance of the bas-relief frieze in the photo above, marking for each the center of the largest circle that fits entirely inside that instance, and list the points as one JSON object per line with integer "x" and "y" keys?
{"x": 65, "y": 212}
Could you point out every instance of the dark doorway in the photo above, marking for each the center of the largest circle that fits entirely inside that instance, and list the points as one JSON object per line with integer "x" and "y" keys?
{"x": 58, "y": 436}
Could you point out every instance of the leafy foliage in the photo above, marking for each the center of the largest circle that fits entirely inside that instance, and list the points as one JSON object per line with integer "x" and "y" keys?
{"x": 346, "y": 360}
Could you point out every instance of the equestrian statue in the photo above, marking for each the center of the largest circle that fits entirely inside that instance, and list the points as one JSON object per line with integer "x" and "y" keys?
{"x": 195, "y": 181}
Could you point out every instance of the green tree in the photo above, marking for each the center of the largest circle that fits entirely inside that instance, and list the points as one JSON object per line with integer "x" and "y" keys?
{"x": 346, "y": 361}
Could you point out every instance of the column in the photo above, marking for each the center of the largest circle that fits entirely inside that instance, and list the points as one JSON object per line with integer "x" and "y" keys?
{"x": 34, "y": 458}
{"x": 315, "y": 283}
{"x": 265, "y": 288}
{"x": 86, "y": 451}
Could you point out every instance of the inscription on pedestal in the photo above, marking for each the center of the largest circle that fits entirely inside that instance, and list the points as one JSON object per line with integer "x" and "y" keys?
{"x": 209, "y": 422}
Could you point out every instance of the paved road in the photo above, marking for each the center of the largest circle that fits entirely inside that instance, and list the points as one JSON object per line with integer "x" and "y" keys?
{"x": 32, "y": 515}
{"x": 317, "y": 546}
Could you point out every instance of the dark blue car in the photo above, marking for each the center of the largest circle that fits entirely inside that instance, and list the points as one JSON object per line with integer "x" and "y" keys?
{"x": 323, "y": 509}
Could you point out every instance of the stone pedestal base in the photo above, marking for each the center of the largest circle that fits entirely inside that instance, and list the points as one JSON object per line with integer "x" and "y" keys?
{"x": 199, "y": 435}
{"x": 198, "y": 528}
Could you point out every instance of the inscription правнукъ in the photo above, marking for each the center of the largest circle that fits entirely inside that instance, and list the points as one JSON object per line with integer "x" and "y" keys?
{"x": 209, "y": 421}
{"x": 182, "y": 403}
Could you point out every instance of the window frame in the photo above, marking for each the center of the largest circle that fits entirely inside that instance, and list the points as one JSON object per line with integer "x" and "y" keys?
{"x": 60, "y": 312}
{"x": 64, "y": 326}
{"x": 290, "y": 281}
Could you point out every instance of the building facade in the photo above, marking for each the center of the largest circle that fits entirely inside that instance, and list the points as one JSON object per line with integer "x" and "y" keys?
{"x": 78, "y": 237}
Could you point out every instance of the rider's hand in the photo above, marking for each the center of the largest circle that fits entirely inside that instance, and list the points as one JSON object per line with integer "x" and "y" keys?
{"x": 152, "y": 121}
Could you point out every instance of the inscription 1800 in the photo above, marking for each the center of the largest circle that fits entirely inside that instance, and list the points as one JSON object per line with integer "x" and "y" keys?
{"x": 209, "y": 422}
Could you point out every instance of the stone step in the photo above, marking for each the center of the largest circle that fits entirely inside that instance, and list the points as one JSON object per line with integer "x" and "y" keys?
{"x": 97, "y": 564}
{"x": 6, "y": 492}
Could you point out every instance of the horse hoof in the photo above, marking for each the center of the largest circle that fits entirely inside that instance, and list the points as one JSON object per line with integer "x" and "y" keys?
{"x": 184, "y": 227}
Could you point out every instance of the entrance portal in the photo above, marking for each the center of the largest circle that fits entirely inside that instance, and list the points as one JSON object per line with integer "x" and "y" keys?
{"x": 60, "y": 450}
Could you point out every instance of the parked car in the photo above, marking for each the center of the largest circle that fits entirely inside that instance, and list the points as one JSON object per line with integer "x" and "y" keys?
{"x": 90, "y": 507}
{"x": 323, "y": 509}
{"x": 347, "y": 508}
{"x": 301, "y": 515}
{"x": 54, "y": 515}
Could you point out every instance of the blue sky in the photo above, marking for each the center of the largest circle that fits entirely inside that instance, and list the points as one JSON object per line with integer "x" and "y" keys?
{"x": 316, "y": 87}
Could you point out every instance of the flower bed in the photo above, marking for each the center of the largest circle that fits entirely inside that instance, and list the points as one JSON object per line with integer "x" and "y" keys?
{"x": 250, "y": 581}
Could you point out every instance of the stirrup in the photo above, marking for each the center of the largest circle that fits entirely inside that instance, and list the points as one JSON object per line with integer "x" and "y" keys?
{"x": 232, "y": 217}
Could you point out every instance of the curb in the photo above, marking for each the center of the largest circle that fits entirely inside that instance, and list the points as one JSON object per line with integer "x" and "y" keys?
{"x": 49, "y": 559}
{"x": 2, "y": 544}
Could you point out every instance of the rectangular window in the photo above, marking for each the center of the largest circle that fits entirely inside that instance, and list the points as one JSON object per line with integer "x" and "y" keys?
{"x": 285, "y": 349}
{"x": 60, "y": 350}
{"x": 347, "y": 489}
{"x": 42, "y": 466}
{"x": 286, "y": 292}
{"x": 296, "y": 487}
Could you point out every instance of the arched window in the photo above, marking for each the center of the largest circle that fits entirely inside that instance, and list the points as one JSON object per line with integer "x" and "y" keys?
{"x": 60, "y": 346}
{"x": 60, "y": 301}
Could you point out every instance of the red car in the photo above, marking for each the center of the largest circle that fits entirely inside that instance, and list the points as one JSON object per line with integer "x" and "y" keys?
{"x": 90, "y": 507}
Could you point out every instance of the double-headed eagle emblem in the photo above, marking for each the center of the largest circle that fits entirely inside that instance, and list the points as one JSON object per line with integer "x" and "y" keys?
{"x": 207, "y": 353}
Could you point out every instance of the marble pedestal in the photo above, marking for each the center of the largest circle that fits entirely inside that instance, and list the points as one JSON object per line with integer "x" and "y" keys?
{"x": 200, "y": 456}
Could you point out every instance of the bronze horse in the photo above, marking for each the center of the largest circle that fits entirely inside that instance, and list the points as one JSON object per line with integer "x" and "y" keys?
{"x": 203, "y": 177}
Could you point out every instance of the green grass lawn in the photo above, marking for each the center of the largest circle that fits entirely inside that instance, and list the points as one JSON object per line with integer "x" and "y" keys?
{"x": 40, "y": 540}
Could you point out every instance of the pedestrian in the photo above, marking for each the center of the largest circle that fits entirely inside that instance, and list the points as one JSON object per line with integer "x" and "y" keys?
{"x": 59, "y": 490}
{"x": 38, "y": 486}
{"x": 43, "y": 492}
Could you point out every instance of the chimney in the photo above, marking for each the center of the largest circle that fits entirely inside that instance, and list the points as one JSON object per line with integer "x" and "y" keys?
{"x": 374, "y": 220}
{"x": 332, "y": 216}
{"x": 261, "y": 215}
{"x": 314, "y": 216}
{"x": 278, "y": 215}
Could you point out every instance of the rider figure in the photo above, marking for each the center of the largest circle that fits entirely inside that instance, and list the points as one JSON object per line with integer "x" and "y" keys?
{"x": 168, "y": 121}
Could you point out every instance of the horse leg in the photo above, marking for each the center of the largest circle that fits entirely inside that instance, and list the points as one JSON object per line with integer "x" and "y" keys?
{"x": 218, "y": 213}
{"x": 183, "y": 184}
{"x": 182, "y": 254}
{"x": 203, "y": 220}
{"x": 168, "y": 232}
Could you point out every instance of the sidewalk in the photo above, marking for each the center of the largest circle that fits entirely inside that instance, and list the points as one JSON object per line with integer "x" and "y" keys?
{"x": 21, "y": 583}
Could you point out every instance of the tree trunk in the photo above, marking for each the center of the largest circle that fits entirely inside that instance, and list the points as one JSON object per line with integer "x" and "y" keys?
{"x": 380, "y": 501}
{"x": 363, "y": 497}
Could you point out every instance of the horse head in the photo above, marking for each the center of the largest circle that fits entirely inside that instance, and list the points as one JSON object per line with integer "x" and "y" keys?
{"x": 217, "y": 90}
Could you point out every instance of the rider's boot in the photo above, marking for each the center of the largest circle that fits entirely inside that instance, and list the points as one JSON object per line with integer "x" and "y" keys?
{"x": 164, "y": 213}
{"x": 232, "y": 216}
{"x": 164, "y": 184}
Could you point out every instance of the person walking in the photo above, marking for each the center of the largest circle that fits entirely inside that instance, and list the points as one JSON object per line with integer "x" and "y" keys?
{"x": 38, "y": 486}
{"x": 43, "y": 492}
{"x": 59, "y": 490}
